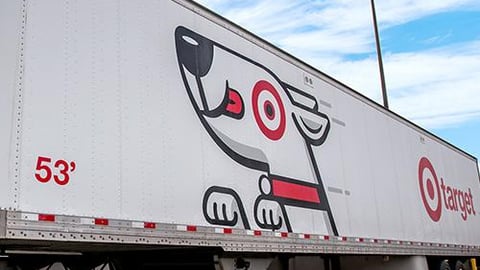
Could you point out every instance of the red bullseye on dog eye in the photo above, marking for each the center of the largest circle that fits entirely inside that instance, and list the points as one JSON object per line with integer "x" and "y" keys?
{"x": 268, "y": 110}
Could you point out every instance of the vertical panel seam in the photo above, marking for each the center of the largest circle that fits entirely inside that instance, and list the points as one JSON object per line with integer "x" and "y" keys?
{"x": 19, "y": 106}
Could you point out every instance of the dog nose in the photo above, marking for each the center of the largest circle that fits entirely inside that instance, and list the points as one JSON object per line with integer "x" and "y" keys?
{"x": 194, "y": 51}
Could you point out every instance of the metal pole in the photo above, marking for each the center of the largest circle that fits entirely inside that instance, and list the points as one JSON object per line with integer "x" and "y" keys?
{"x": 379, "y": 57}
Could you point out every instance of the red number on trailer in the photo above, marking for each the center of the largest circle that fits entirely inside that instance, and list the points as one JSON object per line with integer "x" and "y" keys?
{"x": 44, "y": 170}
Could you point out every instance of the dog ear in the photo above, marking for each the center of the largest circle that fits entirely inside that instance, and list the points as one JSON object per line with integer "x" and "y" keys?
{"x": 312, "y": 125}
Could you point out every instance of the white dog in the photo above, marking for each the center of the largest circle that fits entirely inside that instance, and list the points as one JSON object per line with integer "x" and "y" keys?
{"x": 260, "y": 122}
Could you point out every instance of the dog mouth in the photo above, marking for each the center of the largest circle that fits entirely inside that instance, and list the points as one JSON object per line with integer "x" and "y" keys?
{"x": 234, "y": 106}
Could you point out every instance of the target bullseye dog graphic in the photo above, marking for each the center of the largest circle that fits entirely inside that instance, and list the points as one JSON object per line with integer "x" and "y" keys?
{"x": 250, "y": 112}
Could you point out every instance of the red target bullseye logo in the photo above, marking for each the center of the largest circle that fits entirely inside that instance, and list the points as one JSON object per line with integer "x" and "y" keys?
{"x": 268, "y": 110}
{"x": 430, "y": 189}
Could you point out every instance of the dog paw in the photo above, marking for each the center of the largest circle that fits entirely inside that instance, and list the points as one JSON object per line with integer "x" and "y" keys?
{"x": 222, "y": 206}
{"x": 268, "y": 214}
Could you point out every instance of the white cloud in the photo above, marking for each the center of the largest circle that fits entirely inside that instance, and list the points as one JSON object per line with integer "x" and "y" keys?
{"x": 434, "y": 88}
{"x": 394, "y": 12}
{"x": 333, "y": 27}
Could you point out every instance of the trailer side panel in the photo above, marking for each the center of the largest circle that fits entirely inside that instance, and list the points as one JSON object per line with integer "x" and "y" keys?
{"x": 153, "y": 112}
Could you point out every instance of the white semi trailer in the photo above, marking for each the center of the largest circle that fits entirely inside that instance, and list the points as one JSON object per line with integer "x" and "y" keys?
{"x": 159, "y": 135}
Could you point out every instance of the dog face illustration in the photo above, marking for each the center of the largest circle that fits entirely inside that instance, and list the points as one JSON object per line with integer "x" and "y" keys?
{"x": 234, "y": 95}
{"x": 257, "y": 119}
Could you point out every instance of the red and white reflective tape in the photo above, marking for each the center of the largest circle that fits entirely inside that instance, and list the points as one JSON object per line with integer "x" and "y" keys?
{"x": 46, "y": 217}
{"x": 87, "y": 221}
{"x": 254, "y": 233}
{"x": 95, "y": 221}
{"x": 31, "y": 217}
{"x": 304, "y": 236}
{"x": 101, "y": 222}
{"x": 342, "y": 238}
{"x": 138, "y": 225}
{"x": 224, "y": 230}
{"x": 187, "y": 228}
{"x": 144, "y": 225}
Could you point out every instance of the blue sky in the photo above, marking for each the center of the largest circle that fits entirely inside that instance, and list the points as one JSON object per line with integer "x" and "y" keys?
{"x": 431, "y": 51}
